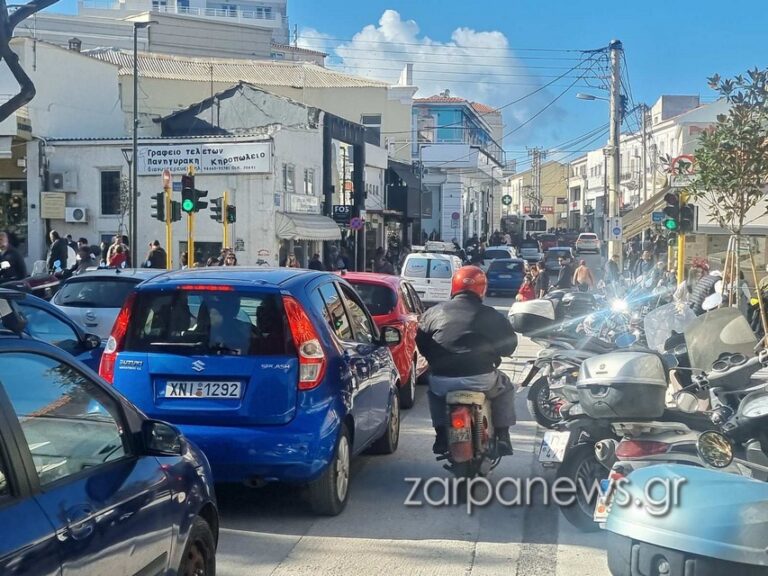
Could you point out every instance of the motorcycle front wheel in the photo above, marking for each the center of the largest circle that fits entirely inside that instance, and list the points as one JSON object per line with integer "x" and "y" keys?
{"x": 582, "y": 468}
{"x": 541, "y": 405}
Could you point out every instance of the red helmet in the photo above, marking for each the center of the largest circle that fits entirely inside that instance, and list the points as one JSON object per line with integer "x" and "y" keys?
{"x": 469, "y": 279}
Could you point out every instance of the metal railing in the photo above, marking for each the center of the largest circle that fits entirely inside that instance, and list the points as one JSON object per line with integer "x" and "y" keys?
{"x": 239, "y": 15}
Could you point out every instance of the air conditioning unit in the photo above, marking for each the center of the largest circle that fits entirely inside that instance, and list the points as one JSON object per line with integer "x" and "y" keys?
{"x": 76, "y": 215}
{"x": 64, "y": 181}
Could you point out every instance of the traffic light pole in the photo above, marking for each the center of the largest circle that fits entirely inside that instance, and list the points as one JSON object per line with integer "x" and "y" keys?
{"x": 224, "y": 211}
{"x": 190, "y": 239}
{"x": 168, "y": 228}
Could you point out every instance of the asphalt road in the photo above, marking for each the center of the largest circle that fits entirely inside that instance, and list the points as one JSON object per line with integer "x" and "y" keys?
{"x": 272, "y": 532}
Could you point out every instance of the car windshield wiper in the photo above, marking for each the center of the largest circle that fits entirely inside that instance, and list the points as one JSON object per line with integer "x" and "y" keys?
{"x": 179, "y": 344}
{"x": 82, "y": 303}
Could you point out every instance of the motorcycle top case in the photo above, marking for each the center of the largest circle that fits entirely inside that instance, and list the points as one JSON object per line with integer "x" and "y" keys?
{"x": 622, "y": 385}
{"x": 532, "y": 317}
{"x": 711, "y": 514}
{"x": 576, "y": 305}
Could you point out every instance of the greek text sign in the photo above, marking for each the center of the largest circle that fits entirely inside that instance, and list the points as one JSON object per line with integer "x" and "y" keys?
{"x": 247, "y": 158}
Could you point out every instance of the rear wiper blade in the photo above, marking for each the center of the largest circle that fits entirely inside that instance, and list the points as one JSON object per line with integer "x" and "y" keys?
{"x": 180, "y": 344}
{"x": 221, "y": 348}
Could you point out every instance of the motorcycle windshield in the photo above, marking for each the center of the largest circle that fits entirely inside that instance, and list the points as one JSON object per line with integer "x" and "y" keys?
{"x": 718, "y": 332}
{"x": 660, "y": 323}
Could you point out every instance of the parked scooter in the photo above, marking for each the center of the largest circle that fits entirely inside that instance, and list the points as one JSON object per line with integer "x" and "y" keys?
{"x": 700, "y": 522}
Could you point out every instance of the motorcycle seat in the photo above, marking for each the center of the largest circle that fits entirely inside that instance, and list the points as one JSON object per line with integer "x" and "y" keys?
{"x": 465, "y": 397}
{"x": 695, "y": 421}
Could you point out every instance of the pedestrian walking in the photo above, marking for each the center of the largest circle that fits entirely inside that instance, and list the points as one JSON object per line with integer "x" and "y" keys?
{"x": 58, "y": 253}
{"x": 541, "y": 280}
{"x": 583, "y": 278}
{"x": 12, "y": 265}
{"x": 118, "y": 259}
{"x": 565, "y": 274}
{"x": 315, "y": 263}
{"x": 527, "y": 290}
{"x": 292, "y": 262}
{"x": 156, "y": 257}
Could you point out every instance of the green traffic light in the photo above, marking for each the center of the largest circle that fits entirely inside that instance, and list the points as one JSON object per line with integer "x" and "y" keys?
{"x": 188, "y": 205}
{"x": 670, "y": 225}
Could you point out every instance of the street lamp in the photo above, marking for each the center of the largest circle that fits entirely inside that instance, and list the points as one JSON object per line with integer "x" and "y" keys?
{"x": 583, "y": 96}
{"x": 134, "y": 165}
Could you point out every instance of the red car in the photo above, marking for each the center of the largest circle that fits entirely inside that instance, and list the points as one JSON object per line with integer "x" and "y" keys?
{"x": 392, "y": 301}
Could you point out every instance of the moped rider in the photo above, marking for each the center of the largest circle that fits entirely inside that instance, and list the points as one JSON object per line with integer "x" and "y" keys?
{"x": 464, "y": 340}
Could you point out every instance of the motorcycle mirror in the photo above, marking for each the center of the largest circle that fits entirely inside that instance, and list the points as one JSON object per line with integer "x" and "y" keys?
{"x": 715, "y": 449}
{"x": 686, "y": 402}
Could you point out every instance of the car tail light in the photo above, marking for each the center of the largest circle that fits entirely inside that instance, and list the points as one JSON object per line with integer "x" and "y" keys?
{"x": 633, "y": 449}
{"x": 312, "y": 360}
{"x": 116, "y": 340}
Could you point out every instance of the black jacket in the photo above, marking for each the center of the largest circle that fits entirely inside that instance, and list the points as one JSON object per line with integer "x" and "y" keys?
{"x": 463, "y": 337}
{"x": 59, "y": 251}
{"x": 17, "y": 270}
{"x": 565, "y": 277}
{"x": 316, "y": 265}
{"x": 157, "y": 258}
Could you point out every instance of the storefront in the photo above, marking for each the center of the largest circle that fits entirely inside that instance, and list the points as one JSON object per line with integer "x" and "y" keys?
{"x": 302, "y": 229}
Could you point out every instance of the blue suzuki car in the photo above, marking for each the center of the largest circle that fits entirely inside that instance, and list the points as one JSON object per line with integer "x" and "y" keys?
{"x": 278, "y": 375}
{"x": 505, "y": 276}
{"x": 88, "y": 484}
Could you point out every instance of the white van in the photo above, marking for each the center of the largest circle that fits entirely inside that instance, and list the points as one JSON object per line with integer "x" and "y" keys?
{"x": 431, "y": 275}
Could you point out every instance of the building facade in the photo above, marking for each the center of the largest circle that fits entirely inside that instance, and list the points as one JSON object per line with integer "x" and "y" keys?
{"x": 548, "y": 197}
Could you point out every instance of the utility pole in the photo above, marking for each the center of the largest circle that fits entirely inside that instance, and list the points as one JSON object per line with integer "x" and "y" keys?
{"x": 168, "y": 189}
{"x": 614, "y": 246}
{"x": 644, "y": 154}
{"x": 537, "y": 154}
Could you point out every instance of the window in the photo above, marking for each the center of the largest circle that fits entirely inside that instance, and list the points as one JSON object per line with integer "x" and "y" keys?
{"x": 70, "y": 424}
{"x": 416, "y": 301}
{"x": 410, "y": 307}
{"x": 361, "y": 325}
{"x": 289, "y": 177}
{"x": 494, "y": 254}
{"x": 110, "y": 192}
{"x": 94, "y": 292}
{"x": 372, "y": 123}
{"x": 219, "y": 323}
{"x": 506, "y": 266}
{"x": 309, "y": 182}
{"x": 334, "y": 314}
{"x": 45, "y": 326}
{"x": 378, "y": 299}
{"x": 416, "y": 268}
{"x": 440, "y": 269}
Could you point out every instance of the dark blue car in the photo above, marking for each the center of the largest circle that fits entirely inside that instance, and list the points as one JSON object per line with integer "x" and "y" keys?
{"x": 505, "y": 276}
{"x": 278, "y": 375}
{"x": 48, "y": 323}
{"x": 88, "y": 484}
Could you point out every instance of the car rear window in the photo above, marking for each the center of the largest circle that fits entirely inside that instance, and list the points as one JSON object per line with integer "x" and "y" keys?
{"x": 502, "y": 266}
{"x": 94, "y": 293}
{"x": 209, "y": 322}
{"x": 588, "y": 237}
{"x": 555, "y": 254}
{"x": 440, "y": 269}
{"x": 416, "y": 268}
{"x": 378, "y": 299}
{"x": 493, "y": 254}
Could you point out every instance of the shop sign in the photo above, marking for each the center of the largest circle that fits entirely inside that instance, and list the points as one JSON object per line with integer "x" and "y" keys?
{"x": 303, "y": 204}
{"x": 242, "y": 158}
{"x": 53, "y": 205}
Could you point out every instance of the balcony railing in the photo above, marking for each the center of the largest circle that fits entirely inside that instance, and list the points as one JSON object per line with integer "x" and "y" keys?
{"x": 237, "y": 15}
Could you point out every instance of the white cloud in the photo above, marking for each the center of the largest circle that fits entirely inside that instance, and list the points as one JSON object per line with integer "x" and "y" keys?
{"x": 476, "y": 65}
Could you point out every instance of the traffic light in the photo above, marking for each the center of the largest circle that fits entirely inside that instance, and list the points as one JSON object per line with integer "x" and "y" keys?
{"x": 158, "y": 206}
{"x": 188, "y": 194}
{"x": 231, "y": 214}
{"x": 687, "y": 218}
{"x": 175, "y": 211}
{"x": 672, "y": 212}
{"x": 216, "y": 209}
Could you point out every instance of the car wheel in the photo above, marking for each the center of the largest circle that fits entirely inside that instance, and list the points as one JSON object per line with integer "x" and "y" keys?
{"x": 408, "y": 392}
{"x": 328, "y": 494}
{"x": 389, "y": 441}
{"x": 199, "y": 557}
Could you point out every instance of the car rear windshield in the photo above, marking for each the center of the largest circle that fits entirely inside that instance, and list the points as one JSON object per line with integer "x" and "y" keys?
{"x": 529, "y": 244}
{"x": 378, "y": 299}
{"x": 436, "y": 267}
{"x": 555, "y": 254}
{"x": 588, "y": 237}
{"x": 493, "y": 254}
{"x": 94, "y": 293}
{"x": 209, "y": 322}
{"x": 502, "y": 266}
{"x": 416, "y": 268}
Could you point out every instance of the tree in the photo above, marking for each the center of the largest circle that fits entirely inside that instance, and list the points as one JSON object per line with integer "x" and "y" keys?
{"x": 731, "y": 161}
{"x": 8, "y": 22}
{"x": 125, "y": 205}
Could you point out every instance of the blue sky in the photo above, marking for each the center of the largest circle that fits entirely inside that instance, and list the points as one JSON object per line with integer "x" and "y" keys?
{"x": 669, "y": 49}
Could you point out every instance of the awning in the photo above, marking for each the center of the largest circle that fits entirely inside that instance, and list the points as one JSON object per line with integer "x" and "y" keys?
{"x": 306, "y": 227}
{"x": 640, "y": 218}
{"x": 406, "y": 174}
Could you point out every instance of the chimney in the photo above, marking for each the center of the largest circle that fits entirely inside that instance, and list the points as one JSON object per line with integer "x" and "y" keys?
{"x": 406, "y": 76}
{"x": 75, "y": 44}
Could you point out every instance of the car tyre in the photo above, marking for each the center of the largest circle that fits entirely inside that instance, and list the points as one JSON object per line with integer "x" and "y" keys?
{"x": 408, "y": 392}
{"x": 329, "y": 493}
{"x": 199, "y": 557}
{"x": 388, "y": 442}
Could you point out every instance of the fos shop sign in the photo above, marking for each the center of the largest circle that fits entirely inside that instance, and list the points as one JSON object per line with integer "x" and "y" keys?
{"x": 210, "y": 158}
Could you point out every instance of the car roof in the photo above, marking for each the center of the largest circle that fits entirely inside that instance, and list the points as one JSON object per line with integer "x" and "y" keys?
{"x": 242, "y": 276}
{"x": 372, "y": 278}
{"x": 139, "y": 274}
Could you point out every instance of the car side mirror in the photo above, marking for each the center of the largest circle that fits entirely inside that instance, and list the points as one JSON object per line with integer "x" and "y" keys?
{"x": 390, "y": 336}
{"x": 162, "y": 439}
{"x": 92, "y": 341}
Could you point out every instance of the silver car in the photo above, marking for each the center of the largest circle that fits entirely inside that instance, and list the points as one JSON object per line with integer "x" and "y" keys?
{"x": 94, "y": 298}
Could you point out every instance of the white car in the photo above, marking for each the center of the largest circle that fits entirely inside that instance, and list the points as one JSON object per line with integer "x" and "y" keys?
{"x": 431, "y": 275}
{"x": 587, "y": 242}
{"x": 93, "y": 299}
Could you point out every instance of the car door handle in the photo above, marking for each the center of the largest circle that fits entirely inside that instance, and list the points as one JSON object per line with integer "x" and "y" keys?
{"x": 80, "y": 523}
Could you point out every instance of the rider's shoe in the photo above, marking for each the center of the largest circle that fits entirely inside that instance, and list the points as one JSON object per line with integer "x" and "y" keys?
{"x": 503, "y": 442}
{"x": 441, "y": 441}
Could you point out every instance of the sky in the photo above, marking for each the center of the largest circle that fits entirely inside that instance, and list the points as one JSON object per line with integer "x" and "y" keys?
{"x": 499, "y": 52}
